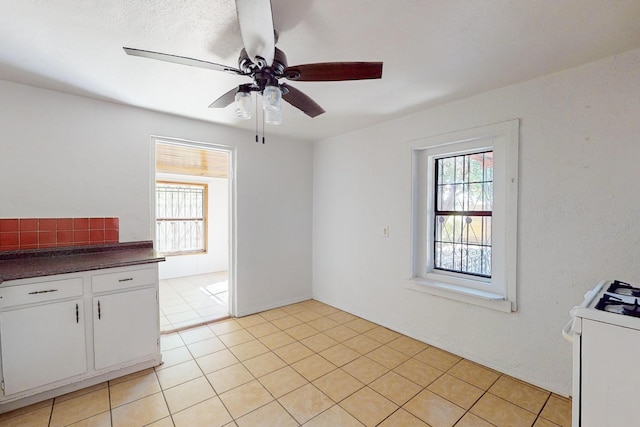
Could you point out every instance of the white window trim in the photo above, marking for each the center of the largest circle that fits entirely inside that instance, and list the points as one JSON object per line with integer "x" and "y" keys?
{"x": 499, "y": 291}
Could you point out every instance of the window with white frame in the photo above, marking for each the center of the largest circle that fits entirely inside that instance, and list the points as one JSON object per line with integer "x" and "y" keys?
{"x": 181, "y": 218}
{"x": 465, "y": 215}
{"x": 463, "y": 192}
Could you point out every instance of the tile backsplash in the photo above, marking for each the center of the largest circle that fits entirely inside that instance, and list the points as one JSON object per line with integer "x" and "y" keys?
{"x": 35, "y": 233}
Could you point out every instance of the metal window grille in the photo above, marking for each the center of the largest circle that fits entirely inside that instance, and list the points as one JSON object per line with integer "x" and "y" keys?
{"x": 180, "y": 218}
{"x": 463, "y": 213}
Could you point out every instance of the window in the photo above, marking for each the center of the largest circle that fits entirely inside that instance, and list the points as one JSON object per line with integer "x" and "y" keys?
{"x": 465, "y": 215}
{"x": 463, "y": 202}
{"x": 180, "y": 218}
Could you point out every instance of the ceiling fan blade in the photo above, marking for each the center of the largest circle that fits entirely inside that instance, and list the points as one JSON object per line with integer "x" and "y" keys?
{"x": 225, "y": 99}
{"x": 301, "y": 101}
{"x": 334, "y": 71}
{"x": 256, "y": 27}
{"x": 180, "y": 60}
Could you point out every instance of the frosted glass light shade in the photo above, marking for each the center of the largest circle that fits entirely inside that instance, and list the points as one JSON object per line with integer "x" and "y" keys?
{"x": 273, "y": 117}
{"x": 243, "y": 105}
{"x": 271, "y": 98}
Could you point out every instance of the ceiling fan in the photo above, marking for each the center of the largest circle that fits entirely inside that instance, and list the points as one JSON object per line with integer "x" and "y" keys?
{"x": 266, "y": 65}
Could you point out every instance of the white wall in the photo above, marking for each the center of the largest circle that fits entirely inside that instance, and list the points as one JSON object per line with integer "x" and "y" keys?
{"x": 579, "y": 206}
{"x": 217, "y": 256}
{"x": 68, "y": 156}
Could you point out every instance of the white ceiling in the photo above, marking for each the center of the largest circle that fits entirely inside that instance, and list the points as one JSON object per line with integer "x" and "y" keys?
{"x": 434, "y": 51}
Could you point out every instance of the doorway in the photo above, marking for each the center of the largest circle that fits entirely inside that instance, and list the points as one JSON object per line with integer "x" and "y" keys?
{"x": 193, "y": 219}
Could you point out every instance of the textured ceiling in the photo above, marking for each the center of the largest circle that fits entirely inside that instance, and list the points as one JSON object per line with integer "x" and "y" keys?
{"x": 434, "y": 51}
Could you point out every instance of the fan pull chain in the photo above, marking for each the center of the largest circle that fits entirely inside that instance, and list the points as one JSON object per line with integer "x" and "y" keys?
{"x": 256, "y": 118}
{"x": 257, "y": 140}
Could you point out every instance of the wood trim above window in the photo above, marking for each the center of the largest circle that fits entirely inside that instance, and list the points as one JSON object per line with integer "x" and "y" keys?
{"x": 183, "y": 160}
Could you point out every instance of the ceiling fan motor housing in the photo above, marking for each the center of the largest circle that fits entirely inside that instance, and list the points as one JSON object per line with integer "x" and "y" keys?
{"x": 262, "y": 74}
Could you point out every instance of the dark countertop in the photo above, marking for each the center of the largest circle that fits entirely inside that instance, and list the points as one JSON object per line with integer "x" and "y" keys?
{"x": 30, "y": 263}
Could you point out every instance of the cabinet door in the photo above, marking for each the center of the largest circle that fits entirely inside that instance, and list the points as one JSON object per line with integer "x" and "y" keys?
{"x": 125, "y": 327}
{"x": 42, "y": 345}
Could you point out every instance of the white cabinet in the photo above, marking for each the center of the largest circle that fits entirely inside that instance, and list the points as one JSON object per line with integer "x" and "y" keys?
{"x": 125, "y": 316}
{"x": 42, "y": 345}
{"x": 63, "y": 332}
{"x": 125, "y": 327}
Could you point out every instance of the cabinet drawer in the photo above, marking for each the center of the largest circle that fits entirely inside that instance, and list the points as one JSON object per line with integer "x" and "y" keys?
{"x": 123, "y": 279}
{"x": 40, "y": 292}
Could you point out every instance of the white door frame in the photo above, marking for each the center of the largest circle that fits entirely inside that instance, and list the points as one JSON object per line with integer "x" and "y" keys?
{"x": 231, "y": 172}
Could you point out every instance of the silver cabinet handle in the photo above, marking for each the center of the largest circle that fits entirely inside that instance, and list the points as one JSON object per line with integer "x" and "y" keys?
{"x": 43, "y": 292}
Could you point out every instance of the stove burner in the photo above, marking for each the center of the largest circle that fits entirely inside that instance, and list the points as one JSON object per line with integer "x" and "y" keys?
{"x": 616, "y": 305}
{"x": 622, "y": 288}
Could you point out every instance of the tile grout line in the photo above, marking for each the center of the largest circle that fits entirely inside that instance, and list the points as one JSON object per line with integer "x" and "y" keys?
{"x": 388, "y": 370}
{"x": 51, "y": 412}
{"x": 258, "y": 379}
{"x": 336, "y": 367}
{"x": 260, "y": 382}
{"x": 164, "y": 398}
{"x": 539, "y": 415}
{"x": 205, "y": 375}
{"x": 298, "y": 314}
{"x": 392, "y": 370}
{"x": 110, "y": 405}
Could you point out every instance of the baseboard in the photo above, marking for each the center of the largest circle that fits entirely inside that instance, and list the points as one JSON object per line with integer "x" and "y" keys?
{"x": 257, "y": 309}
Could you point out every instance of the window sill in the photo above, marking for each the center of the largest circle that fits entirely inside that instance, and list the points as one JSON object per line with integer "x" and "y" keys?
{"x": 460, "y": 293}
{"x": 183, "y": 253}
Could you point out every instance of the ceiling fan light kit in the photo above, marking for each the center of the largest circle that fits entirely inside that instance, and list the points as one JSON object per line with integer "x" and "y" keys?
{"x": 271, "y": 98}
{"x": 272, "y": 104}
{"x": 265, "y": 65}
{"x": 273, "y": 117}
{"x": 244, "y": 104}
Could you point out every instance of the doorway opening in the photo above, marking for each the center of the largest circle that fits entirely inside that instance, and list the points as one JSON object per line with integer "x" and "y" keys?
{"x": 193, "y": 214}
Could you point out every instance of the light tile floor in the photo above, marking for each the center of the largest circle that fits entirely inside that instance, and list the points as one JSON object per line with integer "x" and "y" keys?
{"x": 193, "y": 300}
{"x": 306, "y": 364}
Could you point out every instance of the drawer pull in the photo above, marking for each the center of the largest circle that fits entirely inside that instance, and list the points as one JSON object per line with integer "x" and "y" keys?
{"x": 99, "y": 311}
{"x": 77, "y": 314}
{"x": 126, "y": 280}
{"x": 43, "y": 292}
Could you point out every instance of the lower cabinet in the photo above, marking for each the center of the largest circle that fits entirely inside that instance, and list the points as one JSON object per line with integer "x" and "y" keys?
{"x": 60, "y": 333}
{"x": 42, "y": 345}
{"x": 125, "y": 327}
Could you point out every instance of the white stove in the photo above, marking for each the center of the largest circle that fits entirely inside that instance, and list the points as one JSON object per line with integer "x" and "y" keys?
{"x": 613, "y": 302}
{"x": 605, "y": 331}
